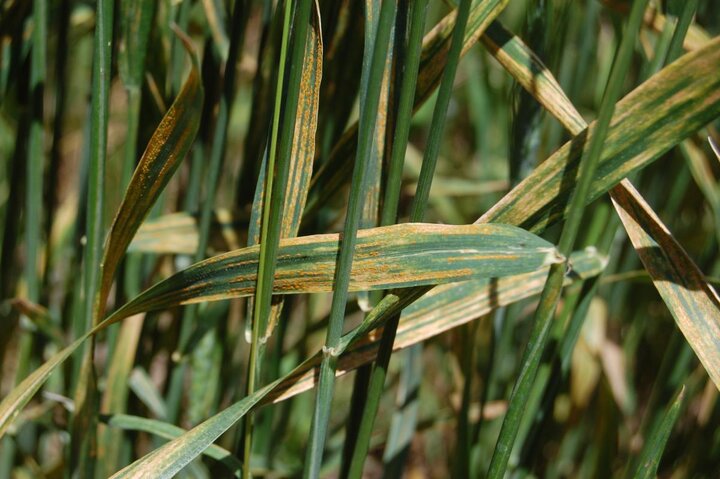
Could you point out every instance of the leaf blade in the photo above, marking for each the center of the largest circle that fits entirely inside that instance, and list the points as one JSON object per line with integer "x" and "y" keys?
{"x": 387, "y": 257}
{"x": 691, "y": 300}
{"x": 166, "y": 149}
{"x": 647, "y": 122}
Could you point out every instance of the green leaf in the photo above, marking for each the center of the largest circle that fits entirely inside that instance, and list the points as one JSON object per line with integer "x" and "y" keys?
{"x": 388, "y": 257}
{"x": 136, "y": 20}
{"x": 655, "y": 445}
{"x": 692, "y": 302}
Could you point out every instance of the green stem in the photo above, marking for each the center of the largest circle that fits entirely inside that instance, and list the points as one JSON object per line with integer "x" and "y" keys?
{"x": 260, "y": 308}
{"x": 419, "y": 205}
{"x": 406, "y": 62}
{"x": 217, "y": 153}
{"x": 33, "y": 199}
{"x": 321, "y": 414}
{"x": 82, "y": 454}
{"x": 551, "y": 292}
{"x": 94, "y": 231}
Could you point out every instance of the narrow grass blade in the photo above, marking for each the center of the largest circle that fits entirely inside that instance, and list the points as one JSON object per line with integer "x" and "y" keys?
{"x": 408, "y": 83}
{"x": 655, "y": 445}
{"x": 36, "y": 152}
{"x": 82, "y": 453}
{"x": 92, "y": 267}
{"x": 170, "y": 431}
{"x": 165, "y": 151}
{"x": 136, "y": 19}
{"x": 692, "y": 302}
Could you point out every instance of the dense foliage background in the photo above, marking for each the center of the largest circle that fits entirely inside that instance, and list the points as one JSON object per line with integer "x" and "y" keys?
{"x": 136, "y": 137}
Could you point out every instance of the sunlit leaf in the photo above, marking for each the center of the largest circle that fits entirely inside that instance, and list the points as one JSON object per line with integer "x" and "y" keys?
{"x": 692, "y": 301}
{"x": 388, "y": 257}
{"x": 655, "y": 116}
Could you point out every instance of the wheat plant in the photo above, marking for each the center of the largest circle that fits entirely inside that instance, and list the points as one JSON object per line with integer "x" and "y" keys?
{"x": 345, "y": 238}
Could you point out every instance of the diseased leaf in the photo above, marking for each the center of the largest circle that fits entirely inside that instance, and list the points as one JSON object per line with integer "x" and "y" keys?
{"x": 389, "y": 257}
{"x": 393, "y": 256}
{"x": 169, "y": 459}
{"x": 651, "y": 119}
{"x": 529, "y": 71}
{"x": 166, "y": 149}
{"x": 447, "y": 307}
{"x": 302, "y": 156}
{"x": 303, "y": 147}
{"x": 170, "y": 431}
{"x": 693, "y": 303}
